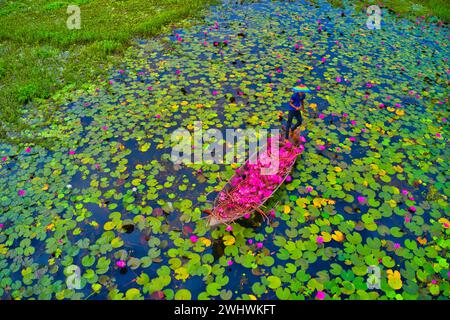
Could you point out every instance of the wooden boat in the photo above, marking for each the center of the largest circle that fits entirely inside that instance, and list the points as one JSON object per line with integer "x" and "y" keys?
{"x": 216, "y": 218}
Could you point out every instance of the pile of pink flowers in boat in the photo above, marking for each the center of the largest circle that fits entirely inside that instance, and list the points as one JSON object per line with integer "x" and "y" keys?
{"x": 249, "y": 188}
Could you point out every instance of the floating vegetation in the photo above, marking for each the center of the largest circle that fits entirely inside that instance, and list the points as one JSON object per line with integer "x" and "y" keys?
{"x": 370, "y": 190}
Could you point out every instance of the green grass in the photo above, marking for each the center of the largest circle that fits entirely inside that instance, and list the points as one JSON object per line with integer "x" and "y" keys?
{"x": 412, "y": 8}
{"x": 40, "y": 55}
{"x": 406, "y": 8}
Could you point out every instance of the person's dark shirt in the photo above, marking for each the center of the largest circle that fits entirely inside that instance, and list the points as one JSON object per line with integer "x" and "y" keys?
{"x": 296, "y": 100}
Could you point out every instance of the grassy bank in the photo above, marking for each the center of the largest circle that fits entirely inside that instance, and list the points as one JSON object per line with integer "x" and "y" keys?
{"x": 405, "y": 8}
{"x": 413, "y": 8}
{"x": 39, "y": 54}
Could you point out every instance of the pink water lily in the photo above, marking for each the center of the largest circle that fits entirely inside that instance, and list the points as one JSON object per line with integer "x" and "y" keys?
{"x": 412, "y": 209}
{"x": 229, "y": 228}
{"x": 250, "y": 187}
{"x": 72, "y": 152}
{"x": 193, "y": 238}
{"x": 121, "y": 264}
{"x": 361, "y": 199}
{"x": 319, "y": 240}
{"x": 320, "y": 295}
{"x": 4, "y": 159}
{"x": 309, "y": 189}
{"x": 230, "y": 263}
{"x": 259, "y": 245}
{"x": 21, "y": 192}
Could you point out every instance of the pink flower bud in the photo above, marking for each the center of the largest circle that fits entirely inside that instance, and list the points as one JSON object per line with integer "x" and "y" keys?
{"x": 320, "y": 295}
{"x": 121, "y": 264}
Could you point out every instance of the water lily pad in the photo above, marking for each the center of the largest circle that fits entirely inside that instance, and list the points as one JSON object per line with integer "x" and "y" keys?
{"x": 183, "y": 294}
{"x": 274, "y": 282}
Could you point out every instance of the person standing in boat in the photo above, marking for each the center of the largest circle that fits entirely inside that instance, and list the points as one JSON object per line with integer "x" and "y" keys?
{"x": 296, "y": 103}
